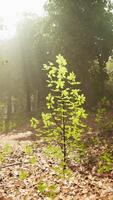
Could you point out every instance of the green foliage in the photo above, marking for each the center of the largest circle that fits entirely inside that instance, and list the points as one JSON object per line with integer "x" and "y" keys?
{"x": 56, "y": 152}
{"x": 2, "y": 158}
{"x": 67, "y": 173}
{"x": 47, "y": 190}
{"x": 63, "y": 123}
{"x": 106, "y": 161}
{"x": 2, "y": 126}
{"x": 42, "y": 186}
{"x": 52, "y": 191}
{"x": 28, "y": 149}
{"x": 109, "y": 81}
{"x": 5, "y": 151}
{"x": 34, "y": 122}
{"x": 104, "y": 121}
{"x": 23, "y": 174}
{"x": 33, "y": 160}
{"x": 104, "y": 102}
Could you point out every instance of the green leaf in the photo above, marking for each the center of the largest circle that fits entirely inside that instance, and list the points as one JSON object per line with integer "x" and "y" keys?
{"x": 23, "y": 174}
{"x": 34, "y": 122}
{"x": 60, "y": 60}
{"x": 28, "y": 149}
{"x": 33, "y": 160}
{"x": 42, "y": 186}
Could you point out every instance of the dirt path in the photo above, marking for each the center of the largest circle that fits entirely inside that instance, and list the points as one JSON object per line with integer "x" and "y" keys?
{"x": 17, "y": 138}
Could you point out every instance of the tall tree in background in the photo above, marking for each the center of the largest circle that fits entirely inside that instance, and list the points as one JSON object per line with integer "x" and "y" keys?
{"x": 83, "y": 32}
{"x": 32, "y": 48}
{"x": 25, "y": 41}
{"x": 42, "y": 45}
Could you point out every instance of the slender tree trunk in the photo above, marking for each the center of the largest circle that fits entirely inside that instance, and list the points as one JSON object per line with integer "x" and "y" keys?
{"x": 41, "y": 94}
{"x": 64, "y": 142}
{"x": 102, "y": 78}
{"x": 9, "y": 112}
{"x": 28, "y": 101}
{"x": 9, "y": 107}
{"x": 64, "y": 148}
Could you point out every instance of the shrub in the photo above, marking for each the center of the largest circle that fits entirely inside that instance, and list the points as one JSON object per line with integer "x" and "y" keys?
{"x": 103, "y": 119}
{"x": 106, "y": 161}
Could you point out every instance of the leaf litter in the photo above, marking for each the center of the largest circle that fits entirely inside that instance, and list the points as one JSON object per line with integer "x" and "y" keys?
{"x": 21, "y": 179}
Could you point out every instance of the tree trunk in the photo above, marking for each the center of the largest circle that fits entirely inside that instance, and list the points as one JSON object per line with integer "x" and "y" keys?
{"x": 64, "y": 142}
{"x": 9, "y": 112}
{"x": 102, "y": 78}
{"x": 28, "y": 101}
{"x": 9, "y": 107}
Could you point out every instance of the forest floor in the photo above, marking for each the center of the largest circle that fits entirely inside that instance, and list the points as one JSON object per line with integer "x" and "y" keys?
{"x": 41, "y": 182}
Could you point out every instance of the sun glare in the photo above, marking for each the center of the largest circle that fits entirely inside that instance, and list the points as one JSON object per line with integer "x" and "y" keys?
{"x": 11, "y": 12}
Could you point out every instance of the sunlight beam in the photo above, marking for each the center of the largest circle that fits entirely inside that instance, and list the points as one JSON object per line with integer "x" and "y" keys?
{"x": 11, "y": 12}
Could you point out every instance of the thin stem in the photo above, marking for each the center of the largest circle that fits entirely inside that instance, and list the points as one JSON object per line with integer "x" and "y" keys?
{"x": 64, "y": 141}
